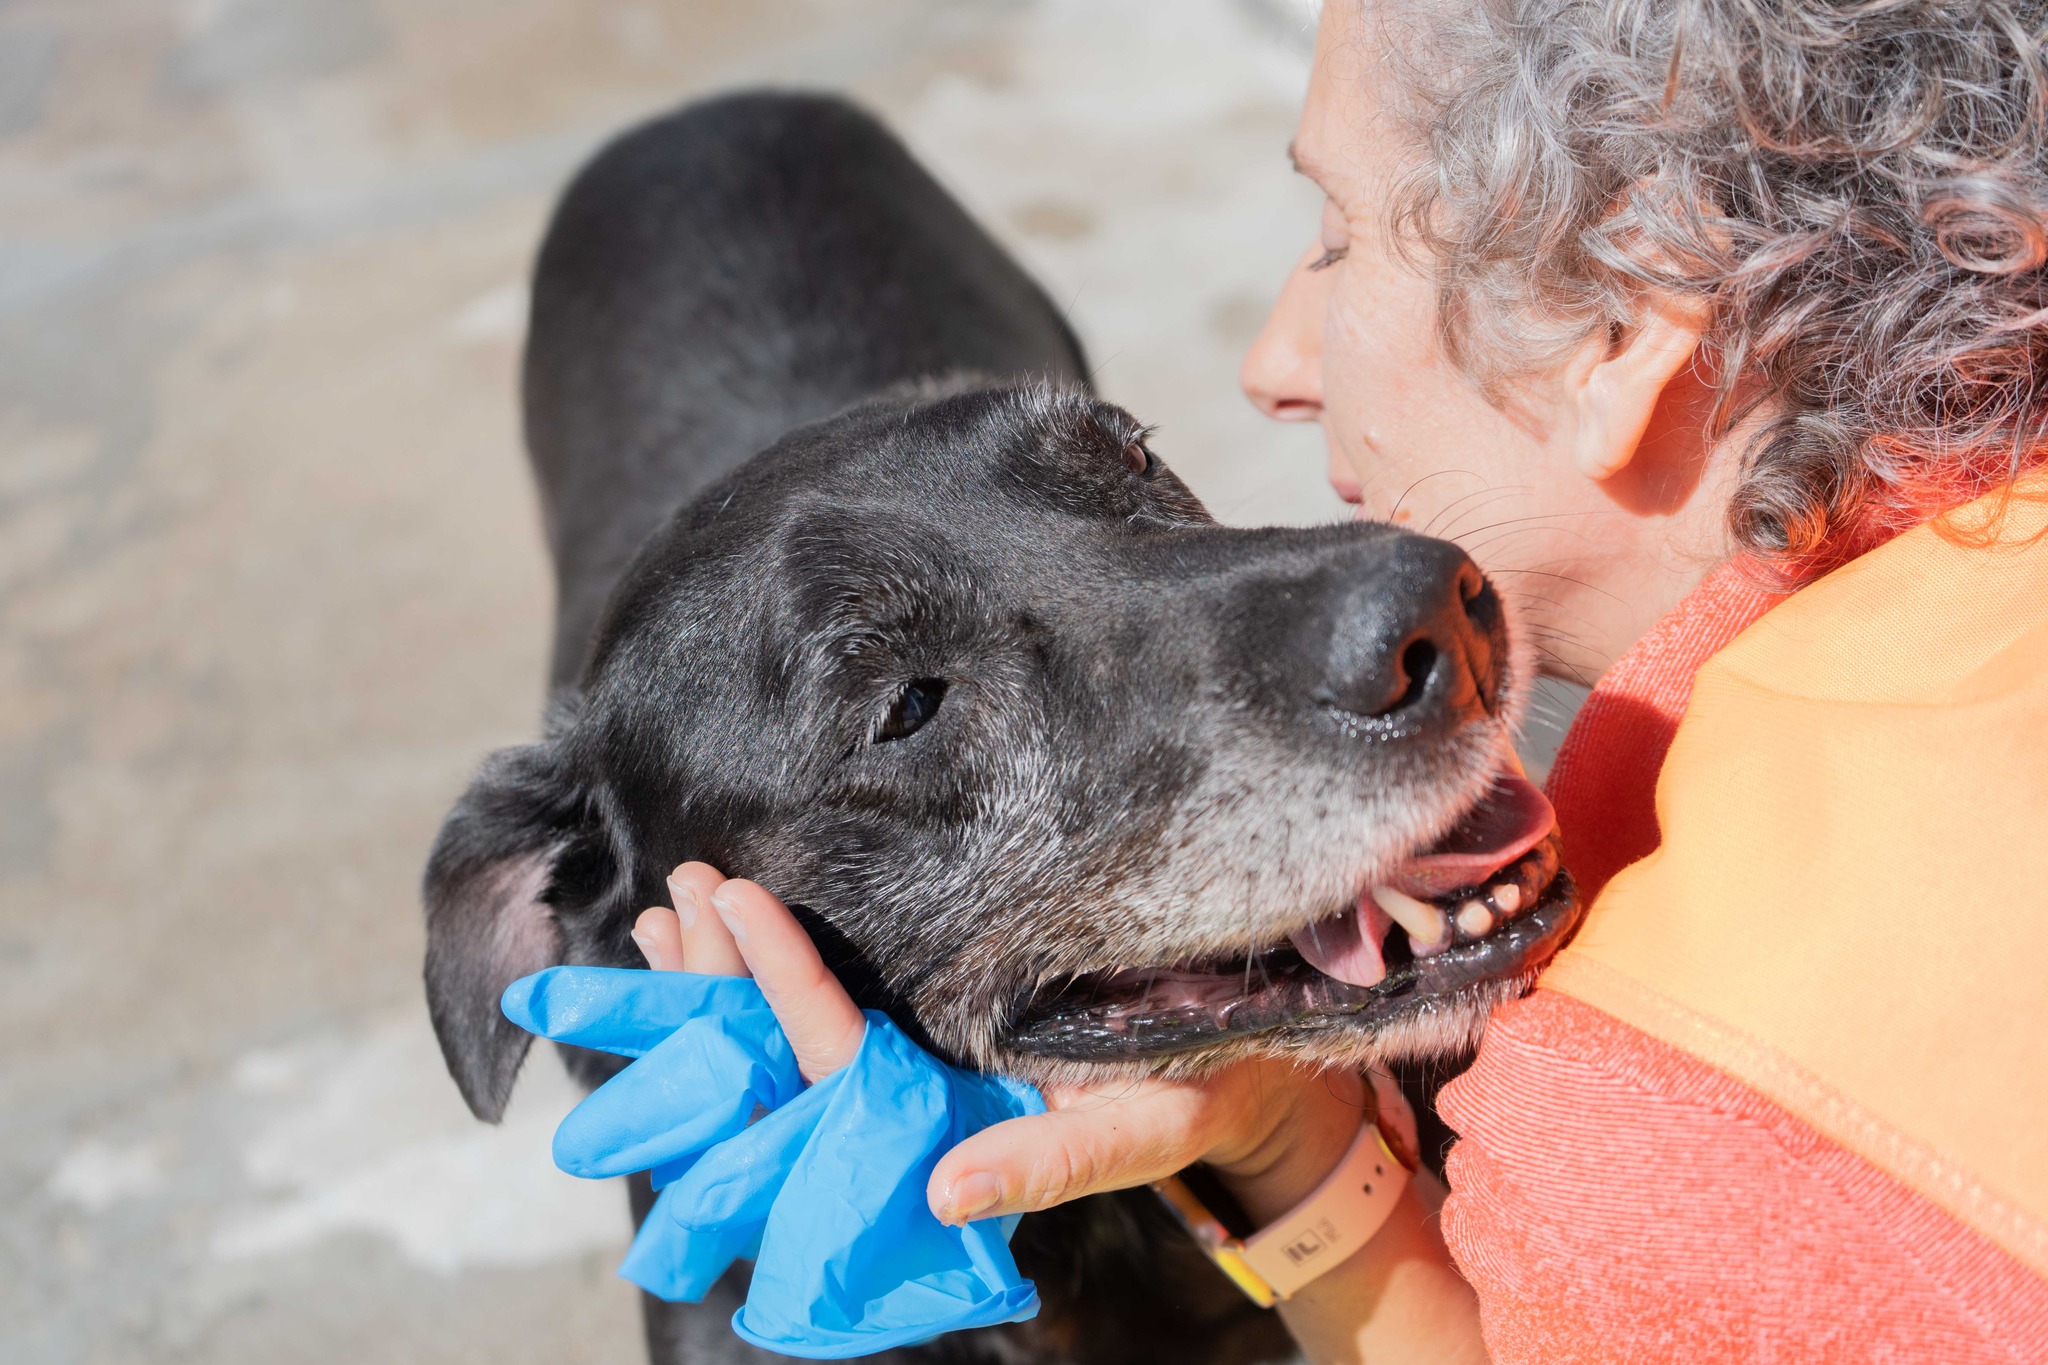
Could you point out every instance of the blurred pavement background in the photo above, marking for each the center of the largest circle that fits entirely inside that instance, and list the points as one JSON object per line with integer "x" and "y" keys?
{"x": 271, "y": 582}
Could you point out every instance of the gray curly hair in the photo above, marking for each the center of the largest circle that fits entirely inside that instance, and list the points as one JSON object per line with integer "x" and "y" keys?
{"x": 1856, "y": 191}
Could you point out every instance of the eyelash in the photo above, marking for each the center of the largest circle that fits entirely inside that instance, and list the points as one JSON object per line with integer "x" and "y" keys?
{"x": 1329, "y": 258}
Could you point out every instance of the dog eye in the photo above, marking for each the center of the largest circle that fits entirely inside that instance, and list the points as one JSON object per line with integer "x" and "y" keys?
{"x": 1139, "y": 459}
{"x": 917, "y": 703}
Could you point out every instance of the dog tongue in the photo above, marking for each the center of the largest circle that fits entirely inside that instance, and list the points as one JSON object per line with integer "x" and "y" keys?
{"x": 1347, "y": 947}
{"x": 1512, "y": 819}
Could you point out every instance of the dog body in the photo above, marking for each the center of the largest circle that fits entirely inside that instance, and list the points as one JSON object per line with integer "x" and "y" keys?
{"x": 1039, "y": 753}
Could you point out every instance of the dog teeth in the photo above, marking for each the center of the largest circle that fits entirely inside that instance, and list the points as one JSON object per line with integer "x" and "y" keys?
{"x": 1507, "y": 896}
{"x": 1428, "y": 933}
{"x": 1474, "y": 920}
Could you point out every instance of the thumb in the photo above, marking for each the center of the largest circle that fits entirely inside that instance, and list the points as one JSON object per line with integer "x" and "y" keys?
{"x": 1083, "y": 1144}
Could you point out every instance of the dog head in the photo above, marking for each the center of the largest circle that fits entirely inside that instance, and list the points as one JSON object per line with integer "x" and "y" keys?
{"x": 1056, "y": 769}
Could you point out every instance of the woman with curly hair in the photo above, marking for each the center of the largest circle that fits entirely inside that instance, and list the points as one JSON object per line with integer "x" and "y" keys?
{"x": 1728, "y": 320}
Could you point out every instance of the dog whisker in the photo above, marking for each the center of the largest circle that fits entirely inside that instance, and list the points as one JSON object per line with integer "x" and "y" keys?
{"x": 1401, "y": 501}
{"x": 1495, "y": 495}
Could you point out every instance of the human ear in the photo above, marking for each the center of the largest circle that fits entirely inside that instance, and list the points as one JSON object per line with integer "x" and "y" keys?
{"x": 1616, "y": 378}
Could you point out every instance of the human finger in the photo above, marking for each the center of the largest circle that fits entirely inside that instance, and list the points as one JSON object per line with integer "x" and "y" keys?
{"x": 822, "y": 1023}
{"x": 1083, "y": 1144}
{"x": 660, "y": 936}
{"x": 707, "y": 944}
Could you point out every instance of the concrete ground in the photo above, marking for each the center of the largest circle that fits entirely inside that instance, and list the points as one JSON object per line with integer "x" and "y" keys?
{"x": 271, "y": 582}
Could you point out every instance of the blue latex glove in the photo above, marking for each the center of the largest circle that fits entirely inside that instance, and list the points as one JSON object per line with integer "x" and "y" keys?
{"x": 825, "y": 1192}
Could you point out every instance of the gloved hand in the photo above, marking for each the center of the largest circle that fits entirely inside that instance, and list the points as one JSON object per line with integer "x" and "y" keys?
{"x": 824, "y": 1191}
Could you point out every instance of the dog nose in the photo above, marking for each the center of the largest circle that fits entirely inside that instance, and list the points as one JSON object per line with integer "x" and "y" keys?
{"x": 1421, "y": 637}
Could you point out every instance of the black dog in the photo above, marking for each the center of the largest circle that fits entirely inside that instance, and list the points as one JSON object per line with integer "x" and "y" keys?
{"x": 1068, "y": 778}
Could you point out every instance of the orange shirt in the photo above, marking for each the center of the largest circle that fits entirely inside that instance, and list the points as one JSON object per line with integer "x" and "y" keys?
{"x": 1786, "y": 1096}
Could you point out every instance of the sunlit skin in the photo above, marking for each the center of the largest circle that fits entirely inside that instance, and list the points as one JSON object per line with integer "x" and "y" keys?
{"x": 1590, "y": 495}
{"x": 1596, "y": 504}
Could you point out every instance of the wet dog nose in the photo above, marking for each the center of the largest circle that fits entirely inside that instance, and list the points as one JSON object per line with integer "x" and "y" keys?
{"x": 1422, "y": 637}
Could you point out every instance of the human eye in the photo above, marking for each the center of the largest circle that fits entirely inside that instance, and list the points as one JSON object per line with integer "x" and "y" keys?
{"x": 1336, "y": 237}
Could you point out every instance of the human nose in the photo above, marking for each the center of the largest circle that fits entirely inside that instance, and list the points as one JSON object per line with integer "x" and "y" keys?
{"x": 1283, "y": 370}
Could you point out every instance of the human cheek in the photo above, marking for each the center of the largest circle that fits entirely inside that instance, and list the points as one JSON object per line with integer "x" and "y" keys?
{"x": 1421, "y": 443}
{"x": 1369, "y": 370}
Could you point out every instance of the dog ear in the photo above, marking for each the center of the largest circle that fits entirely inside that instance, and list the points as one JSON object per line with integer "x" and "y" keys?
{"x": 489, "y": 887}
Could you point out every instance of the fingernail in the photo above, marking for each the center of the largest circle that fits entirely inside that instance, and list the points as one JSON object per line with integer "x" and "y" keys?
{"x": 685, "y": 897}
{"x": 972, "y": 1195}
{"x": 731, "y": 915}
{"x": 646, "y": 948}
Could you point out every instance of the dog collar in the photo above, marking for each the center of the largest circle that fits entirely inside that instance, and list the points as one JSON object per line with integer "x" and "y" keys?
{"x": 1337, "y": 1218}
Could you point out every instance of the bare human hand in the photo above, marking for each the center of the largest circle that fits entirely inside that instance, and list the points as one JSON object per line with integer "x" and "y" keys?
{"x": 1273, "y": 1130}
{"x": 1270, "y": 1130}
